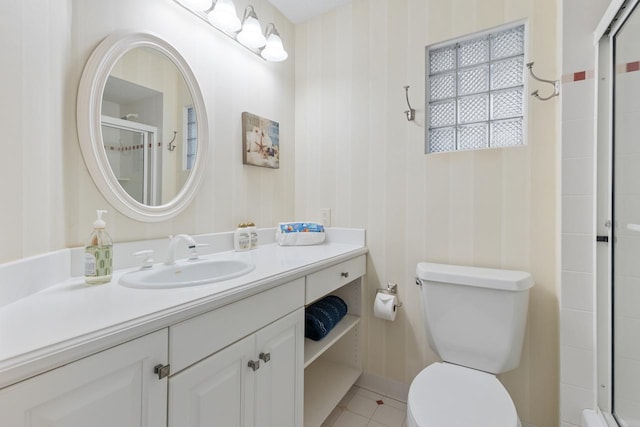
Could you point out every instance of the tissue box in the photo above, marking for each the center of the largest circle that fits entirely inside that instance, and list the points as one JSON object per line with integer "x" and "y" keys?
{"x": 299, "y": 233}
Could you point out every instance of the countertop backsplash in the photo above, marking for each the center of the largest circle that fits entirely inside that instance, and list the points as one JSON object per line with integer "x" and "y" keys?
{"x": 24, "y": 277}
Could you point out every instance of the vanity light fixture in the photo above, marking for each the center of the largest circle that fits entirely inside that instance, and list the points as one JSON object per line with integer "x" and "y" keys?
{"x": 273, "y": 51}
{"x": 251, "y": 33}
{"x": 221, "y": 14}
{"x": 199, "y": 5}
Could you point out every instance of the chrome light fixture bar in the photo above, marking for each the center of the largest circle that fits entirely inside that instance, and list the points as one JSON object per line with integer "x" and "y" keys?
{"x": 221, "y": 15}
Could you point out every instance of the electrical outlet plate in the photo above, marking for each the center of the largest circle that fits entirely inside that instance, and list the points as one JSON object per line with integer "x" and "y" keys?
{"x": 325, "y": 217}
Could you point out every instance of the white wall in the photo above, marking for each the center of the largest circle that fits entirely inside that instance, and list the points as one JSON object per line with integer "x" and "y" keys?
{"x": 578, "y": 353}
{"x": 48, "y": 197}
{"x": 357, "y": 154}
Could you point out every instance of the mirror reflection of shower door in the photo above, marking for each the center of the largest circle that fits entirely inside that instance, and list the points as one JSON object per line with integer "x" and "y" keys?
{"x": 131, "y": 150}
{"x": 626, "y": 214}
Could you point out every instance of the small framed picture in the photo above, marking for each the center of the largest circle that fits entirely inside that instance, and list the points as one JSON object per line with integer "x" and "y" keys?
{"x": 260, "y": 141}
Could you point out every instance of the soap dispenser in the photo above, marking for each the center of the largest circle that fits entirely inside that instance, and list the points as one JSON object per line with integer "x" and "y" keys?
{"x": 98, "y": 254}
{"x": 253, "y": 234}
{"x": 242, "y": 238}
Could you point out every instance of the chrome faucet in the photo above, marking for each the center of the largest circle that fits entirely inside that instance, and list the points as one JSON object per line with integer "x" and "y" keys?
{"x": 171, "y": 253}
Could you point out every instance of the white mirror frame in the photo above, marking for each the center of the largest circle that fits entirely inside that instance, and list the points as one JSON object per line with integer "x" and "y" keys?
{"x": 88, "y": 117}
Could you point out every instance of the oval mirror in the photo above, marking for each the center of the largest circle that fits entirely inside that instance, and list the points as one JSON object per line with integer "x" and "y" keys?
{"x": 142, "y": 126}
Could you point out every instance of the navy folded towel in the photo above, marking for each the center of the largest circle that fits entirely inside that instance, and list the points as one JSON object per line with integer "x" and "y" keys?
{"x": 321, "y": 316}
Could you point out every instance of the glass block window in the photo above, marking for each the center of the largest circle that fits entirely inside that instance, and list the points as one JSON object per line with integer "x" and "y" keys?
{"x": 191, "y": 137}
{"x": 475, "y": 92}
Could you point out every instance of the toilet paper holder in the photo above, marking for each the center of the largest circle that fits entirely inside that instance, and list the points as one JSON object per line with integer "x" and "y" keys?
{"x": 391, "y": 289}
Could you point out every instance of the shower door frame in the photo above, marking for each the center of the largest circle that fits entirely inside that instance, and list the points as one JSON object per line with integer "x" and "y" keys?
{"x": 149, "y": 156}
{"x": 612, "y": 21}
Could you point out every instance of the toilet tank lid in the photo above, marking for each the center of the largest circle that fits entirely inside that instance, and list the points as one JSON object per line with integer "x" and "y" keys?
{"x": 493, "y": 278}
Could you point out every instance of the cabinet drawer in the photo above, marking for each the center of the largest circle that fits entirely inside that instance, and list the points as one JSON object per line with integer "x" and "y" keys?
{"x": 197, "y": 338}
{"x": 328, "y": 280}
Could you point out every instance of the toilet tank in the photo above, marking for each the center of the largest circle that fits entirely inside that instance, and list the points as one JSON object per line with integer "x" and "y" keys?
{"x": 475, "y": 317}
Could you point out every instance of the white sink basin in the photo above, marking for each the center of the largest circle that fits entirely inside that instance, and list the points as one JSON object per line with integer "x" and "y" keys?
{"x": 186, "y": 273}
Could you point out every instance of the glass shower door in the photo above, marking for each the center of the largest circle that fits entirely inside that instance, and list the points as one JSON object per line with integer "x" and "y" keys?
{"x": 626, "y": 214}
{"x": 125, "y": 151}
{"x": 132, "y": 152}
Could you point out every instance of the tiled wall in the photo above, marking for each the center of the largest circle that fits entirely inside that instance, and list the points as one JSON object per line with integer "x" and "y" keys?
{"x": 48, "y": 197}
{"x": 357, "y": 154}
{"x": 577, "y": 307}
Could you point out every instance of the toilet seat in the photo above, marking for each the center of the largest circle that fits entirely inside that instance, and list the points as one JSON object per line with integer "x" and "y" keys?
{"x": 447, "y": 395}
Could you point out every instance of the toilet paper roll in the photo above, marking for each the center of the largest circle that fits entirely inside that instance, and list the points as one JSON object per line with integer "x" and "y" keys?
{"x": 385, "y": 306}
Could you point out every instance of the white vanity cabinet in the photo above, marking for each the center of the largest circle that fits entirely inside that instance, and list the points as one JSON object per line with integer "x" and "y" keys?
{"x": 334, "y": 364}
{"x": 116, "y": 387}
{"x": 256, "y": 381}
{"x": 234, "y": 357}
{"x": 217, "y": 391}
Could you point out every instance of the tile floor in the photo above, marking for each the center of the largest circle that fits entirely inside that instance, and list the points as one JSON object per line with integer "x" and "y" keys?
{"x": 363, "y": 408}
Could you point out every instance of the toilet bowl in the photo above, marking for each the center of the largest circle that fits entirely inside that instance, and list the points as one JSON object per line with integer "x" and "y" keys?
{"x": 447, "y": 395}
{"x": 475, "y": 320}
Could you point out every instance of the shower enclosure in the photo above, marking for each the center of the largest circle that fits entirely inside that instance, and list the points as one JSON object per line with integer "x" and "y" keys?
{"x": 132, "y": 152}
{"x": 618, "y": 288}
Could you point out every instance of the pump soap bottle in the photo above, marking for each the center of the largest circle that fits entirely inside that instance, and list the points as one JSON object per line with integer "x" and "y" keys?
{"x": 98, "y": 254}
{"x": 242, "y": 238}
{"x": 253, "y": 234}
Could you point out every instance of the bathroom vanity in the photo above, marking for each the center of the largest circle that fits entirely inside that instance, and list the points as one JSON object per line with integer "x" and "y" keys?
{"x": 231, "y": 353}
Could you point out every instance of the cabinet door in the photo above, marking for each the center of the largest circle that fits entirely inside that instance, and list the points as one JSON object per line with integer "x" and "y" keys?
{"x": 116, "y": 387}
{"x": 279, "y": 383}
{"x": 217, "y": 391}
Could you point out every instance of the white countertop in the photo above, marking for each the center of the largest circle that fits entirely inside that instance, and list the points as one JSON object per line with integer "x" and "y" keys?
{"x": 70, "y": 320}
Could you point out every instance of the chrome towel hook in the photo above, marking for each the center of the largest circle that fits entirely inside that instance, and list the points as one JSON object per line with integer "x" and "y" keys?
{"x": 555, "y": 83}
{"x": 410, "y": 113}
{"x": 171, "y": 146}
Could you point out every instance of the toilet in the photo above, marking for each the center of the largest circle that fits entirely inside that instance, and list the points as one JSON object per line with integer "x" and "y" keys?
{"x": 475, "y": 320}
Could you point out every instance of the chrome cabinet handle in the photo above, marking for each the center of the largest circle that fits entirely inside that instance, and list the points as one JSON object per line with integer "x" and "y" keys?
{"x": 254, "y": 364}
{"x": 162, "y": 370}
{"x": 345, "y": 274}
{"x": 265, "y": 357}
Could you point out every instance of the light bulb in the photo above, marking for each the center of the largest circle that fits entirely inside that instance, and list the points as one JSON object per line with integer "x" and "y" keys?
{"x": 198, "y": 5}
{"x": 251, "y": 34}
{"x": 224, "y": 16}
{"x": 274, "y": 51}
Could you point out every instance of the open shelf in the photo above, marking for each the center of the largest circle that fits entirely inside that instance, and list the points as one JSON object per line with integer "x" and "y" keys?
{"x": 313, "y": 349}
{"x": 325, "y": 384}
{"x": 333, "y": 364}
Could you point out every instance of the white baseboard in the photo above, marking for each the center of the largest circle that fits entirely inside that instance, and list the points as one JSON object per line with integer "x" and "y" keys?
{"x": 384, "y": 386}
